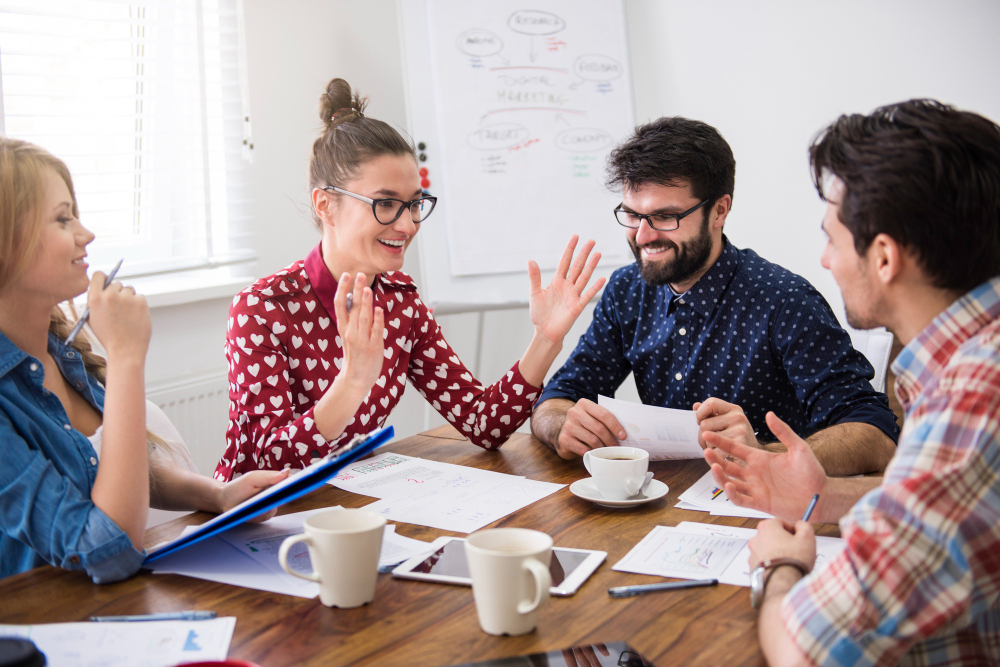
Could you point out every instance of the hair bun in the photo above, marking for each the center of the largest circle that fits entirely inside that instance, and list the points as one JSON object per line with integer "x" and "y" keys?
{"x": 339, "y": 104}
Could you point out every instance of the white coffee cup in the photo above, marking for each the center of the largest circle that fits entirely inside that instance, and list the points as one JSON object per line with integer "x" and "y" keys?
{"x": 618, "y": 472}
{"x": 510, "y": 577}
{"x": 344, "y": 547}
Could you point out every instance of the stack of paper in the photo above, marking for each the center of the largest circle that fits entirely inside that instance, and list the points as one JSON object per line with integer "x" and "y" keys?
{"x": 705, "y": 496}
{"x": 705, "y": 551}
{"x": 666, "y": 433}
{"x": 439, "y": 495}
{"x": 247, "y": 556}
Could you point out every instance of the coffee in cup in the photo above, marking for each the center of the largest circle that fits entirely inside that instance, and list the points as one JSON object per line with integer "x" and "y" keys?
{"x": 618, "y": 472}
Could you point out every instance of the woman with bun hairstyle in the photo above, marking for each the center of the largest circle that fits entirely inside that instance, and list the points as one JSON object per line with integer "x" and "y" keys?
{"x": 79, "y": 463}
{"x": 307, "y": 372}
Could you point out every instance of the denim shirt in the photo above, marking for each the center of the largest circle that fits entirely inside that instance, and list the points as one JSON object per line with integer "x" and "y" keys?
{"x": 748, "y": 332}
{"x": 47, "y": 474}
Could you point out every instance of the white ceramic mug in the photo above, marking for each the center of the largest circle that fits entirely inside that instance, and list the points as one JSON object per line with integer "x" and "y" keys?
{"x": 510, "y": 577}
{"x": 618, "y": 472}
{"x": 344, "y": 547}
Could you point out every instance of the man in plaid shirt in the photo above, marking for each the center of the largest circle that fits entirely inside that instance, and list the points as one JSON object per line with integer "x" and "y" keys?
{"x": 913, "y": 227}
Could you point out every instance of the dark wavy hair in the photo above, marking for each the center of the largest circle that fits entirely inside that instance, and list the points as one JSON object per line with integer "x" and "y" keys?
{"x": 925, "y": 174}
{"x": 674, "y": 151}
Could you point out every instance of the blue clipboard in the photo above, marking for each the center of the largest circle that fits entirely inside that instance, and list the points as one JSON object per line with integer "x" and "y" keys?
{"x": 296, "y": 486}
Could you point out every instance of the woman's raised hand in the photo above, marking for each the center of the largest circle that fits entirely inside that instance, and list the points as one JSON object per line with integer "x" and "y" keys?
{"x": 119, "y": 317}
{"x": 553, "y": 310}
{"x": 361, "y": 332}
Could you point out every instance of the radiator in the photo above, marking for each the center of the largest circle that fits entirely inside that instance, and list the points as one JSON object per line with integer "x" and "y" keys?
{"x": 199, "y": 408}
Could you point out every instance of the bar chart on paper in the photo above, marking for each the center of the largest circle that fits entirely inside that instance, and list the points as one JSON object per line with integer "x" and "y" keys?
{"x": 668, "y": 552}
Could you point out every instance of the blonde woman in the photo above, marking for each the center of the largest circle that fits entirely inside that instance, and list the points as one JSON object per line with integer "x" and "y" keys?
{"x": 77, "y": 473}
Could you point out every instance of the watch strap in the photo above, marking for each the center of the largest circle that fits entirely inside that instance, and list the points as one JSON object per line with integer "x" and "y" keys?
{"x": 762, "y": 573}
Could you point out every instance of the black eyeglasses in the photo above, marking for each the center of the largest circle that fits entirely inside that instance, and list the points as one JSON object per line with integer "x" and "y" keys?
{"x": 661, "y": 222}
{"x": 387, "y": 211}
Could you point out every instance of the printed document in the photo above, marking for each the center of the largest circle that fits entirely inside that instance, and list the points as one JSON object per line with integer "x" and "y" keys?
{"x": 665, "y": 433}
{"x": 144, "y": 644}
{"x": 389, "y": 474}
{"x": 671, "y": 552}
{"x": 738, "y": 572}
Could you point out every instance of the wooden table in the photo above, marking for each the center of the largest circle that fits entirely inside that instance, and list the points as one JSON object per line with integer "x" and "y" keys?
{"x": 418, "y": 623}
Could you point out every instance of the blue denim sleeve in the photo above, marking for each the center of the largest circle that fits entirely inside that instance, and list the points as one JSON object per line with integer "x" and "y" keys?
{"x": 832, "y": 380}
{"x": 598, "y": 364}
{"x": 45, "y": 511}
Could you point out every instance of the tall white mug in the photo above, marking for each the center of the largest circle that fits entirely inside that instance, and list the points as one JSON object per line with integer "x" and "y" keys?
{"x": 344, "y": 547}
{"x": 618, "y": 472}
{"x": 510, "y": 577}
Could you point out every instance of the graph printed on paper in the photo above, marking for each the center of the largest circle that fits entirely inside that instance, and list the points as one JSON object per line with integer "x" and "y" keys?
{"x": 667, "y": 552}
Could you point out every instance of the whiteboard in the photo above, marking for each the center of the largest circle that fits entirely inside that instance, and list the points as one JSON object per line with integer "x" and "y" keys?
{"x": 514, "y": 107}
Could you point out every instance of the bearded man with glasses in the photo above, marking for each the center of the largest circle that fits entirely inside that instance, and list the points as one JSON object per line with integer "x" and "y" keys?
{"x": 705, "y": 325}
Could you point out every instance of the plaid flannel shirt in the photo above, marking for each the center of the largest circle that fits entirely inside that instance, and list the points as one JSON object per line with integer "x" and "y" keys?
{"x": 919, "y": 578}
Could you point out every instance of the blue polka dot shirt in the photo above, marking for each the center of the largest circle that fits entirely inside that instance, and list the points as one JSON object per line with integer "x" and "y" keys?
{"x": 748, "y": 332}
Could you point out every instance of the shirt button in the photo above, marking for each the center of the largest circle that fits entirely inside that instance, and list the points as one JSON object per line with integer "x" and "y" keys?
{"x": 75, "y": 560}
{"x": 79, "y": 384}
{"x": 67, "y": 427}
{"x": 678, "y": 377}
{"x": 71, "y": 354}
{"x": 681, "y": 301}
{"x": 33, "y": 367}
{"x": 682, "y": 331}
{"x": 93, "y": 461}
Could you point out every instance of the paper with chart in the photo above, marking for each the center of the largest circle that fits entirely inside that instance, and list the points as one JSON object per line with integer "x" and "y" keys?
{"x": 529, "y": 102}
{"x": 705, "y": 496}
{"x": 665, "y": 433}
{"x": 670, "y": 552}
{"x": 216, "y": 560}
{"x": 389, "y": 474}
{"x": 147, "y": 644}
{"x": 261, "y": 542}
{"x": 465, "y": 504}
{"x": 738, "y": 572}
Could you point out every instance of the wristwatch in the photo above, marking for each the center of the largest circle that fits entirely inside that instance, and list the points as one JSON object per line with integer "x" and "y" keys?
{"x": 761, "y": 573}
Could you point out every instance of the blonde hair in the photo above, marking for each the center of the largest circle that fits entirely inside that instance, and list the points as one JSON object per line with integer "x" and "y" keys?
{"x": 22, "y": 193}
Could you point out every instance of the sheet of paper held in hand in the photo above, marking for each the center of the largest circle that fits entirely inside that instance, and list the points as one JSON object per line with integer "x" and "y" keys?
{"x": 145, "y": 644}
{"x": 665, "y": 433}
{"x": 439, "y": 495}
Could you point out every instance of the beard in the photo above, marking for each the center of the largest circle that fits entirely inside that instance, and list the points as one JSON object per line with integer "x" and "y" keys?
{"x": 688, "y": 259}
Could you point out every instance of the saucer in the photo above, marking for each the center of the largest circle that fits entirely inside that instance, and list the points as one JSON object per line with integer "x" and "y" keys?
{"x": 585, "y": 488}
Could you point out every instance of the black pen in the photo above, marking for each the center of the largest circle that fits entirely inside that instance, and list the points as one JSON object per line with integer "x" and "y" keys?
{"x": 86, "y": 313}
{"x": 812, "y": 506}
{"x": 629, "y": 591}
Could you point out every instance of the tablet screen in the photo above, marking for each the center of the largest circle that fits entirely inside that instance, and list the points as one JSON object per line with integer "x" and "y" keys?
{"x": 450, "y": 561}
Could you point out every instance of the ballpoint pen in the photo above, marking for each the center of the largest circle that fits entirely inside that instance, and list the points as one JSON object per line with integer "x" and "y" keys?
{"x": 86, "y": 313}
{"x": 812, "y": 506}
{"x": 629, "y": 591}
{"x": 162, "y": 616}
{"x": 350, "y": 301}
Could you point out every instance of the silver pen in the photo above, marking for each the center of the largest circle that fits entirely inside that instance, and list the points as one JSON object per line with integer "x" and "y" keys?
{"x": 812, "y": 506}
{"x": 162, "y": 616}
{"x": 86, "y": 313}
{"x": 350, "y": 301}
{"x": 629, "y": 591}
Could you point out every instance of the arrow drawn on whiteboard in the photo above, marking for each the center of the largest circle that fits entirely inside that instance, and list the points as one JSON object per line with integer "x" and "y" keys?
{"x": 559, "y": 117}
{"x": 504, "y": 60}
{"x": 532, "y": 54}
{"x": 575, "y": 84}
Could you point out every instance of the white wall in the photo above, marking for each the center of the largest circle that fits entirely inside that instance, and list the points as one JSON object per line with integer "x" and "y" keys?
{"x": 767, "y": 74}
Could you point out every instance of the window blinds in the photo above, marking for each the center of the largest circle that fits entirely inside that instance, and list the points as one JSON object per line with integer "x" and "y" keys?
{"x": 146, "y": 102}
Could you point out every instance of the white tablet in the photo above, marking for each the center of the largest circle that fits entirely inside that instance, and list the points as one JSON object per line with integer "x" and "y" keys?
{"x": 447, "y": 565}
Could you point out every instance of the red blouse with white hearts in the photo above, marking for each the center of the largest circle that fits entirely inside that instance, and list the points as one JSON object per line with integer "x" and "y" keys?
{"x": 283, "y": 352}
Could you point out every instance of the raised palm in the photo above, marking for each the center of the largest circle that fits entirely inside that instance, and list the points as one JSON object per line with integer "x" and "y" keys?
{"x": 781, "y": 484}
{"x": 554, "y": 309}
